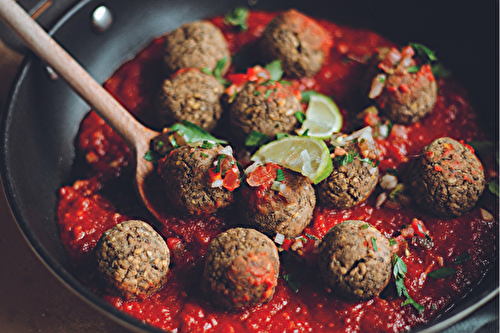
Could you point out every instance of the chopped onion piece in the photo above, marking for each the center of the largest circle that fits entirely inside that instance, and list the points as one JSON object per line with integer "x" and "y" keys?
{"x": 388, "y": 182}
{"x": 217, "y": 183}
{"x": 227, "y": 150}
{"x": 381, "y": 199}
{"x": 279, "y": 238}
{"x": 364, "y": 133}
{"x": 383, "y": 129}
{"x": 372, "y": 170}
{"x": 251, "y": 168}
{"x": 282, "y": 187}
{"x": 276, "y": 186}
{"x": 487, "y": 216}
{"x": 377, "y": 86}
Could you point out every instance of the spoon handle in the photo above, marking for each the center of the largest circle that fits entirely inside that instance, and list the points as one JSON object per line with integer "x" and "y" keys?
{"x": 38, "y": 41}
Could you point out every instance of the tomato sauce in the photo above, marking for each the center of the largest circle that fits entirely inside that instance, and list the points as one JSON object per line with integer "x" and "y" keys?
{"x": 103, "y": 197}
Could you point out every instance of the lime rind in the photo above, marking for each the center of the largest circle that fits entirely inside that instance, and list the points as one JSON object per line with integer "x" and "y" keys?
{"x": 306, "y": 155}
{"x": 323, "y": 117}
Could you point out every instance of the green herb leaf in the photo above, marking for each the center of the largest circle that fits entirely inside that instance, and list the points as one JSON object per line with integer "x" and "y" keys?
{"x": 399, "y": 272}
{"x": 204, "y": 155}
{"x": 294, "y": 280}
{"x": 306, "y": 95}
{"x": 256, "y": 93}
{"x": 306, "y": 133}
{"x": 300, "y": 116}
{"x": 442, "y": 272}
{"x": 392, "y": 242}
{"x": 416, "y": 305}
{"x": 207, "y": 71}
{"x": 218, "y": 70}
{"x": 400, "y": 268}
{"x": 282, "y": 135}
{"x": 275, "y": 70}
{"x": 194, "y": 133}
{"x": 256, "y": 139}
{"x": 238, "y": 18}
{"x": 413, "y": 69}
{"x": 280, "y": 175}
{"x": 374, "y": 243}
{"x": 493, "y": 187}
{"x": 207, "y": 145}
{"x": 369, "y": 161}
{"x": 285, "y": 82}
{"x": 424, "y": 52}
{"x": 346, "y": 158}
{"x": 461, "y": 259}
{"x": 365, "y": 226}
{"x": 268, "y": 93}
{"x": 149, "y": 156}
{"x": 440, "y": 71}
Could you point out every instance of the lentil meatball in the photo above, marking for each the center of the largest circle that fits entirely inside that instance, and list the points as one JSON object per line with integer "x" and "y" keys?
{"x": 350, "y": 183}
{"x": 407, "y": 96}
{"x": 355, "y": 260}
{"x": 133, "y": 259}
{"x": 195, "y": 45}
{"x": 287, "y": 210}
{"x": 298, "y": 41}
{"x": 268, "y": 108}
{"x": 448, "y": 179}
{"x": 241, "y": 269}
{"x": 190, "y": 95}
{"x": 188, "y": 179}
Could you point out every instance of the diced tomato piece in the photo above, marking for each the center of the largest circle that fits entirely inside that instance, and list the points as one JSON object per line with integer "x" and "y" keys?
{"x": 231, "y": 180}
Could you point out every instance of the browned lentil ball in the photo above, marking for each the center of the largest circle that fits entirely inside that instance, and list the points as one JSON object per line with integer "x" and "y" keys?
{"x": 133, "y": 259}
{"x": 448, "y": 179}
{"x": 198, "y": 44}
{"x": 190, "y": 95}
{"x": 241, "y": 269}
{"x": 355, "y": 260}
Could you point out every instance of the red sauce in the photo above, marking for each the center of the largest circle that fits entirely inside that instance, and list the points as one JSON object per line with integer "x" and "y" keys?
{"x": 84, "y": 213}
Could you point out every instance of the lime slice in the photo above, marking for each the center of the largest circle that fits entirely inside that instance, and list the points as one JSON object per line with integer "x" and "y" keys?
{"x": 304, "y": 154}
{"x": 323, "y": 117}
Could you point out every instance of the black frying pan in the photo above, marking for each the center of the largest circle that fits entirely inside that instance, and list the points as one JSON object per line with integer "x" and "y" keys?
{"x": 42, "y": 115}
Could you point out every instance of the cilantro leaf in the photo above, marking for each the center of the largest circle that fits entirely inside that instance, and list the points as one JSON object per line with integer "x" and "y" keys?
{"x": 400, "y": 268}
{"x": 256, "y": 139}
{"x": 374, "y": 243}
{"x": 346, "y": 158}
{"x": 306, "y": 95}
{"x": 493, "y": 187}
{"x": 275, "y": 70}
{"x": 440, "y": 71}
{"x": 442, "y": 272}
{"x": 148, "y": 156}
{"x": 399, "y": 272}
{"x": 413, "y": 69}
{"x": 280, "y": 175}
{"x": 238, "y": 18}
{"x": 416, "y": 305}
{"x": 424, "y": 52}
{"x": 194, "y": 132}
{"x": 282, "y": 135}
{"x": 300, "y": 116}
{"x": 218, "y": 71}
{"x": 461, "y": 259}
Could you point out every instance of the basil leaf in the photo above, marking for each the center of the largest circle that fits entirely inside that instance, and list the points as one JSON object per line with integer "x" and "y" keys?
{"x": 463, "y": 258}
{"x": 493, "y": 187}
{"x": 238, "y": 18}
{"x": 424, "y": 52}
{"x": 300, "y": 116}
{"x": 275, "y": 70}
{"x": 194, "y": 132}
{"x": 256, "y": 139}
{"x": 442, "y": 272}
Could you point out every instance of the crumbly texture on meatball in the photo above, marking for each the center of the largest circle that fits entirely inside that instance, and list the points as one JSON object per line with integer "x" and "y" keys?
{"x": 407, "y": 98}
{"x": 348, "y": 185}
{"x": 190, "y": 95}
{"x": 265, "y": 108}
{"x": 241, "y": 269}
{"x": 195, "y": 45}
{"x": 287, "y": 211}
{"x": 133, "y": 259}
{"x": 448, "y": 179}
{"x": 355, "y": 260}
{"x": 298, "y": 41}
{"x": 185, "y": 172}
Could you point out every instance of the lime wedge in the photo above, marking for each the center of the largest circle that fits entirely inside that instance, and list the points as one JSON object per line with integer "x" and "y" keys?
{"x": 323, "y": 117}
{"x": 304, "y": 154}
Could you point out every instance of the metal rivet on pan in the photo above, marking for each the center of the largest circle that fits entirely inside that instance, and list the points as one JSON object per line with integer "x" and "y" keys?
{"x": 101, "y": 19}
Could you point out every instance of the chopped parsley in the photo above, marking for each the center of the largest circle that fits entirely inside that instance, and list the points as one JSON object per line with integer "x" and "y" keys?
{"x": 346, "y": 158}
{"x": 442, "y": 272}
{"x": 413, "y": 69}
{"x": 204, "y": 155}
{"x": 256, "y": 139}
{"x": 399, "y": 272}
{"x": 461, "y": 259}
{"x": 306, "y": 133}
{"x": 275, "y": 70}
{"x": 268, "y": 93}
{"x": 300, "y": 116}
{"x": 160, "y": 145}
{"x": 374, "y": 243}
{"x": 372, "y": 163}
{"x": 207, "y": 145}
{"x": 424, "y": 52}
{"x": 294, "y": 279}
{"x": 149, "y": 156}
{"x": 393, "y": 241}
{"x": 493, "y": 187}
{"x": 238, "y": 18}
{"x": 306, "y": 95}
{"x": 282, "y": 135}
{"x": 256, "y": 93}
{"x": 365, "y": 226}
{"x": 217, "y": 72}
{"x": 280, "y": 175}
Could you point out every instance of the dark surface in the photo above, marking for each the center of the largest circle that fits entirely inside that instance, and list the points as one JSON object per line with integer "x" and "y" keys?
{"x": 42, "y": 127}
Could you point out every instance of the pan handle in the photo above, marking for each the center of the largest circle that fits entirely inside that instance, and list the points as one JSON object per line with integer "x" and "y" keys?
{"x": 45, "y": 12}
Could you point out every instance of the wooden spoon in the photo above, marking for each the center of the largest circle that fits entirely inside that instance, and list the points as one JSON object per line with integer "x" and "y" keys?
{"x": 136, "y": 136}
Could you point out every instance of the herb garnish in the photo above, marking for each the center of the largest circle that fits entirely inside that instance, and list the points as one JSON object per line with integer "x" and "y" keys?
{"x": 461, "y": 259}
{"x": 442, "y": 272}
{"x": 275, "y": 70}
{"x": 282, "y": 135}
{"x": 193, "y": 133}
{"x": 493, "y": 187}
{"x": 268, "y": 93}
{"x": 204, "y": 155}
{"x": 424, "y": 52}
{"x": 280, "y": 175}
{"x": 217, "y": 72}
{"x": 365, "y": 226}
{"x": 238, "y": 18}
{"x": 306, "y": 95}
{"x": 294, "y": 280}
{"x": 399, "y": 272}
{"x": 306, "y": 133}
{"x": 149, "y": 156}
{"x": 207, "y": 145}
{"x": 256, "y": 139}
{"x": 393, "y": 241}
{"x": 374, "y": 243}
{"x": 300, "y": 116}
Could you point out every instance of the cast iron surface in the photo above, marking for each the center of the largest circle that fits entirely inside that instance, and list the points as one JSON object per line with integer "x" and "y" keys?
{"x": 42, "y": 116}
